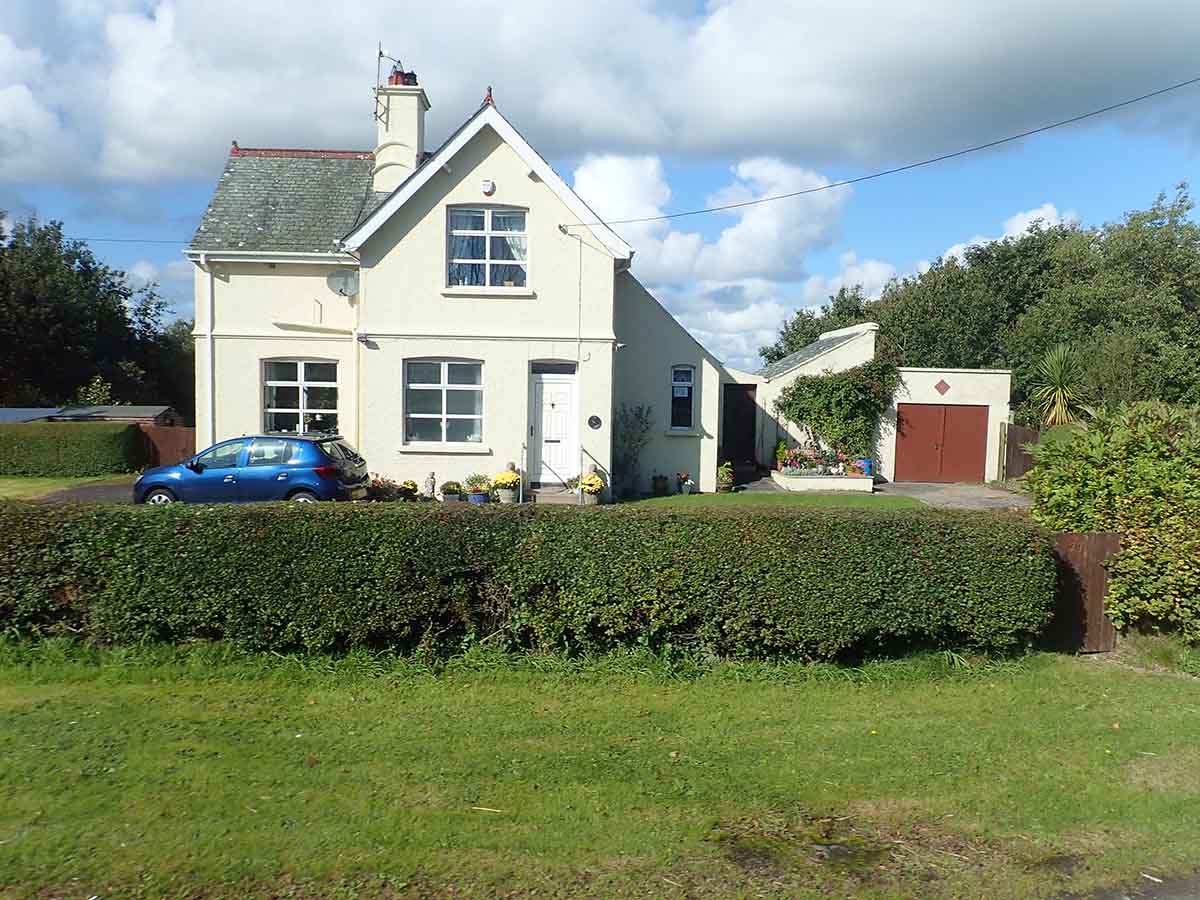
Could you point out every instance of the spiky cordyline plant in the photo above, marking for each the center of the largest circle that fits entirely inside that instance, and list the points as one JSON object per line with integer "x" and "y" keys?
{"x": 1058, "y": 390}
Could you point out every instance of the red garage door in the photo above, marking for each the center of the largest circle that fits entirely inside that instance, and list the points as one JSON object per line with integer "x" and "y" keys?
{"x": 939, "y": 442}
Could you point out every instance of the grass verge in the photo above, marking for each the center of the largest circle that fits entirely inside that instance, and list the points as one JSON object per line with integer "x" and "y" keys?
{"x": 207, "y": 772}
{"x": 831, "y": 500}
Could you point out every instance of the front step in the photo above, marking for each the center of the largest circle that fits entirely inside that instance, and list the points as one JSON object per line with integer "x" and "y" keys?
{"x": 554, "y": 495}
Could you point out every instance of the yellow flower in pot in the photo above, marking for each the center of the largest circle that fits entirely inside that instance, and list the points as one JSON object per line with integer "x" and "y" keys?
{"x": 506, "y": 484}
{"x": 592, "y": 485}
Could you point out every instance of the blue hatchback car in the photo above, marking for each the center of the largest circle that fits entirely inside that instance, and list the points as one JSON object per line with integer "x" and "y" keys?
{"x": 301, "y": 468}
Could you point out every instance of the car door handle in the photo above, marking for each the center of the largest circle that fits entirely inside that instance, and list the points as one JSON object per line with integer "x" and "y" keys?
{"x": 282, "y": 476}
{"x": 229, "y": 479}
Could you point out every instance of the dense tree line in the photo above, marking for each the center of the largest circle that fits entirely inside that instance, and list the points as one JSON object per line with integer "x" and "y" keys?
{"x": 74, "y": 330}
{"x": 1123, "y": 297}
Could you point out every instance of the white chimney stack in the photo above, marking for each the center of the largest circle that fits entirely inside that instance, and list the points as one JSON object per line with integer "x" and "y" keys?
{"x": 400, "y": 110}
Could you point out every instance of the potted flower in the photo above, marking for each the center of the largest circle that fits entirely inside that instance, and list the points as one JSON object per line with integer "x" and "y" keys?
{"x": 382, "y": 488}
{"x": 506, "y": 485}
{"x": 684, "y": 483}
{"x": 725, "y": 478}
{"x": 452, "y": 492}
{"x": 478, "y": 488}
{"x": 782, "y": 454}
{"x": 591, "y": 485}
{"x": 408, "y": 490}
{"x": 658, "y": 484}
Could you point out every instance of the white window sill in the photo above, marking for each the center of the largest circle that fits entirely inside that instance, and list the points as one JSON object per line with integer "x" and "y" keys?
{"x": 465, "y": 448}
{"x": 515, "y": 293}
{"x": 682, "y": 432}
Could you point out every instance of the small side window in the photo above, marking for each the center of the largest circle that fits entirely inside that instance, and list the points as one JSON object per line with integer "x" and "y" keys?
{"x": 683, "y": 389}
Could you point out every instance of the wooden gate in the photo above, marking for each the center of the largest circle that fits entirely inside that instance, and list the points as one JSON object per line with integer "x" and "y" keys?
{"x": 1079, "y": 620}
{"x": 1017, "y": 460}
{"x": 167, "y": 444}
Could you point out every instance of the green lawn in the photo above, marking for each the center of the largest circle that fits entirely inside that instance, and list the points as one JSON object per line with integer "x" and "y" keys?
{"x": 202, "y": 773}
{"x": 829, "y": 500}
{"x": 14, "y": 487}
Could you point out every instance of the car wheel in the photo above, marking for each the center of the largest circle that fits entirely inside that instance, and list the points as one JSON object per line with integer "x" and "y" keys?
{"x": 303, "y": 497}
{"x": 159, "y": 496}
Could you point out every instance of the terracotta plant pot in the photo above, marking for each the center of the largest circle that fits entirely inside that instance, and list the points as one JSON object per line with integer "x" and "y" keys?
{"x": 659, "y": 485}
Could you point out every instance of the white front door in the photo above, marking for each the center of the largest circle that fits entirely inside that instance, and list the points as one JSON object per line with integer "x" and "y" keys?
{"x": 554, "y": 436}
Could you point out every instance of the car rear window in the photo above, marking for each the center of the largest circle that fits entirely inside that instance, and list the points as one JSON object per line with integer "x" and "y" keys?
{"x": 340, "y": 450}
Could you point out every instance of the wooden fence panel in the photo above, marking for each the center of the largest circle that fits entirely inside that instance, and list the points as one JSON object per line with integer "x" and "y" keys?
{"x": 1017, "y": 460}
{"x": 168, "y": 444}
{"x": 1080, "y": 622}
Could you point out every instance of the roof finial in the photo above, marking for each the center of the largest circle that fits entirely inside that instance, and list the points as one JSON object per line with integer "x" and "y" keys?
{"x": 487, "y": 98}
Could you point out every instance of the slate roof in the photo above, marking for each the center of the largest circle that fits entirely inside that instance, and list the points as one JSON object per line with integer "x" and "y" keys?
{"x": 287, "y": 200}
{"x": 804, "y": 354}
{"x": 11, "y": 415}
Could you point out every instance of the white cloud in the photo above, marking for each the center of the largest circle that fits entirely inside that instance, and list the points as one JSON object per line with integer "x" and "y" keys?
{"x": 145, "y": 91}
{"x": 1014, "y": 227}
{"x": 767, "y": 241}
{"x": 173, "y": 282}
{"x": 872, "y": 274}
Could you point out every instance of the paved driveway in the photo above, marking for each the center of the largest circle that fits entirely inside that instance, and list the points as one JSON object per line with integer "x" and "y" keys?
{"x": 101, "y": 492}
{"x": 957, "y": 496}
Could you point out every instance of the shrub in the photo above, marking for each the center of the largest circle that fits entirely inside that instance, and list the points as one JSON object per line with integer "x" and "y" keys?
{"x": 842, "y": 409}
{"x": 1134, "y": 470}
{"x": 70, "y": 449}
{"x": 736, "y": 582}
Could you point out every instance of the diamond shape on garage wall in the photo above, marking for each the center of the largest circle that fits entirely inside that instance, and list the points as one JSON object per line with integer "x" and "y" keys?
{"x": 941, "y": 387}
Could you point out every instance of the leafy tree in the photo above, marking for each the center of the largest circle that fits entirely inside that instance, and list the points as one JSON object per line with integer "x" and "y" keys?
{"x": 847, "y": 307}
{"x": 67, "y": 319}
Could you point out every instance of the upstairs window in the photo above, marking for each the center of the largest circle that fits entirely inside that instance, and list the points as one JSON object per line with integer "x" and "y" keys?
{"x": 487, "y": 248}
{"x": 300, "y": 396}
{"x": 443, "y": 401}
{"x": 683, "y": 392}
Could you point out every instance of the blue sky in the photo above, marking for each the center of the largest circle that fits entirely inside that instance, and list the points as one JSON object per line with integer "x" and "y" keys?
{"x": 118, "y": 117}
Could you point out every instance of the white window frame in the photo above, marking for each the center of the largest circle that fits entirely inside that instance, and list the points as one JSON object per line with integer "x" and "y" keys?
{"x": 690, "y": 383}
{"x": 444, "y": 386}
{"x": 487, "y": 262}
{"x": 303, "y": 384}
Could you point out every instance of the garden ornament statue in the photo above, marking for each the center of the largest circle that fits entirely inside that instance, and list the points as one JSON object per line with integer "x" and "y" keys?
{"x": 431, "y": 485}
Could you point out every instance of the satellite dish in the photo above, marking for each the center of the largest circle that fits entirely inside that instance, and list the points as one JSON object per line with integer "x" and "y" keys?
{"x": 343, "y": 281}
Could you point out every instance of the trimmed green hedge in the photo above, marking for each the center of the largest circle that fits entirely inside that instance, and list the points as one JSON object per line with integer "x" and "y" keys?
{"x": 746, "y": 583}
{"x": 70, "y": 449}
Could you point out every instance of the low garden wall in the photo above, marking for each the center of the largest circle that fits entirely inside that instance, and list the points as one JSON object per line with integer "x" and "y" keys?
{"x": 70, "y": 449}
{"x": 862, "y": 483}
{"x": 822, "y": 584}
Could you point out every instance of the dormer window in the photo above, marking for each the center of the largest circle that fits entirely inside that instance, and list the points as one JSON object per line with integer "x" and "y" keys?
{"x": 487, "y": 247}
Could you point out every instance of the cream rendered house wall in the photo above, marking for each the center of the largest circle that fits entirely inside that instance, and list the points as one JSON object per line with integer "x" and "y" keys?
{"x": 653, "y": 342}
{"x": 252, "y": 301}
{"x": 968, "y": 387}
{"x": 407, "y": 311}
{"x": 771, "y": 426}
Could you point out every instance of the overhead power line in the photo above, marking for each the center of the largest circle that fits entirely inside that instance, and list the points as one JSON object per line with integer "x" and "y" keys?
{"x": 906, "y": 167}
{"x": 846, "y": 182}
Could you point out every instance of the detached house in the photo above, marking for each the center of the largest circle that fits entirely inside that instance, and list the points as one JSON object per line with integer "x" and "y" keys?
{"x": 449, "y": 310}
